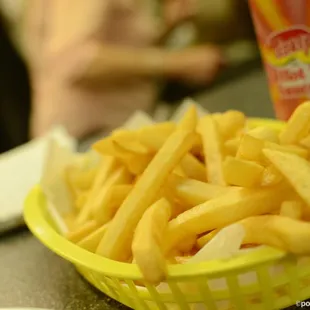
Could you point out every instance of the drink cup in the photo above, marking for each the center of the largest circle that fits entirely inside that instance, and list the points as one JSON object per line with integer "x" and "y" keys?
{"x": 283, "y": 33}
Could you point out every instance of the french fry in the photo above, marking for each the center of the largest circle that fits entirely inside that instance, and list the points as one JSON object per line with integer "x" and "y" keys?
{"x": 250, "y": 148}
{"x": 230, "y": 122}
{"x": 136, "y": 163}
{"x": 91, "y": 241}
{"x": 193, "y": 168}
{"x": 271, "y": 176}
{"x": 231, "y": 146}
{"x": 81, "y": 232}
{"x": 298, "y": 125}
{"x": 81, "y": 199}
{"x": 202, "y": 241}
{"x": 192, "y": 192}
{"x": 213, "y": 150}
{"x": 295, "y": 169}
{"x": 148, "y": 237}
{"x": 179, "y": 171}
{"x": 111, "y": 201}
{"x": 155, "y": 136}
{"x": 220, "y": 212}
{"x": 278, "y": 231}
{"x": 264, "y": 133}
{"x": 118, "y": 237}
{"x": 292, "y": 209}
{"x": 293, "y": 149}
{"x": 305, "y": 142}
{"x": 120, "y": 176}
{"x": 241, "y": 172}
{"x": 107, "y": 166}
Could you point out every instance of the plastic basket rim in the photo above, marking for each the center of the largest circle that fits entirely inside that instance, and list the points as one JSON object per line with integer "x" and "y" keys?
{"x": 38, "y": 224}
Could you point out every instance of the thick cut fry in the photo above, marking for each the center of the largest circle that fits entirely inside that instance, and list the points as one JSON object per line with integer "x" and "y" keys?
{"x": 136, "y": 163}
{"x": 81, "y": 199}
{"x": 120, "y": 176}
{"x": 305, "y": 142}
{"x": 91, "y": 241}
{"x": 130, "y": 147}
{"x": 111, "y": 201}
{"x": 190, "y": 119}
{"x": 231, "y": 146}
{"x": 193, "y": 168}
{"x": 264, "y": 133}
{"x": 295, "y": 169}
{"x": 220, "y": 212}
{"x": 213, "y": 150}
{"x": 107, "y": 166}
{"x": 192, "y": 192}
{"x": 81, "y": 232}
{"x": 293, "y": 149}
{"x": 179, "y": 171}
{"x": 298, "y": 125}
{"x": 242, "y": 173}
{"x": 155, "y": 136}
{"x": 230, "y": 122}
{"x": 278, "y": 231}
{"x": 292, "y": 209}
{"x": 250, "y": 148}
{"x": 271, "y": 176}
{"x": 202, "y": 241}
{"x": 147, "y": 241}
{"x": 119, "y": 234}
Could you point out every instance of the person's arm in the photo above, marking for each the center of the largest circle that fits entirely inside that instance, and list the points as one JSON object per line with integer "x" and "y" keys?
{"x": 102, "y": 63}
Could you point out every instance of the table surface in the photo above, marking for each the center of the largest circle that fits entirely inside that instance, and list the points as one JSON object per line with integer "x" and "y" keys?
{"x": 33, "y": 276}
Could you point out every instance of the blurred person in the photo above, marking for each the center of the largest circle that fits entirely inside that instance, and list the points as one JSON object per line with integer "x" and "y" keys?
{"x": 92, "y": 63}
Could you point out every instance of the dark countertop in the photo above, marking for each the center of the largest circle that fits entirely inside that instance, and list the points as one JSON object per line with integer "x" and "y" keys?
{"x": 33, "y": 276}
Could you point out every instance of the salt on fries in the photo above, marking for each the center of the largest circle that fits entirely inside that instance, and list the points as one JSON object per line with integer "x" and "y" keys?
{"x": 162, "y": 192}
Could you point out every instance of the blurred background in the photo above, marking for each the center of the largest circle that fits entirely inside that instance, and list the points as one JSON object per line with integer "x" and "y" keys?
{"x": 87, "y": 65}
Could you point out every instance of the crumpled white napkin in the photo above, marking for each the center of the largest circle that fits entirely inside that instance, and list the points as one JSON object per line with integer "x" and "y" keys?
{"x": 22, "y": 168}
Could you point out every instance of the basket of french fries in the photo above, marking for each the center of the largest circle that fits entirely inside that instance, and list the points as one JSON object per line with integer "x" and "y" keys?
{"x": 205, "y": 211}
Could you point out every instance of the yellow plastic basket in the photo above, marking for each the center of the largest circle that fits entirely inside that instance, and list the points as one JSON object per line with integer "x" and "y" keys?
{"x": 264, "y": 278}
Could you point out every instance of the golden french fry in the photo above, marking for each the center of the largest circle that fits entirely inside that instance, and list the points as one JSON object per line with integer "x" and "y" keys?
{"x": 278, "y": 231}
{"x": 305, "y": 142}
{"x": 179, "y": 171}
{"x": 107, "y": 166}
{"x": 193, "y": 168}
{"x": 69, "y": 220}
{"x": 295, "y": 169}
{"x": 111, "y": 201}
{"x": 264, "y": 133}
{"x": 91, "y": 241}
{"x": 293, "y": 149}
{"x": 298, "y": 125}
{"x": 119, "y": 234}
{"x": 271, "y": 176}
{"x": 129, "y": 147}
{"x": 190, "y": 119}
{"x": 136, "y": 163}
{"x": 120, "y": 176}
{"x": 202, "y": 241}
{"x": 213, "y": 150}
{"x": 250, "y": 148}
{"x": 155, "y": 136}
{"x": 231, "y": 146}
{"x": 81, "y": 232}
{"x": 81, "y": 199}
{"x": 220, "y": 212}
{"x": 292, "y": 209}
{"x": 192, "y": 192}
{"x": 148, "y": 237}
{"x": 230, "y": 122}
{"x": 240, "y": 172}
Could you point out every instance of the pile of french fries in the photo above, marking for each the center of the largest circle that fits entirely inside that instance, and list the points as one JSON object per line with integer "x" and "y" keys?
{"x": 163, "y": 192}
